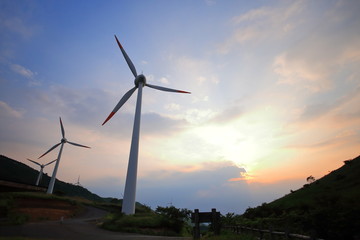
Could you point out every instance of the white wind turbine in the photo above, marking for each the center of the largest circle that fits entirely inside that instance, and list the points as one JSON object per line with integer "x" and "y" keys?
{"x": 41, "y": 169}
{"x": 128, "y": 206}
{"x": 62, "y": 142}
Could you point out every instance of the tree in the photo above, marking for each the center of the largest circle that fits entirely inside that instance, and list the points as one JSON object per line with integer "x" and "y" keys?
{"x": 310, "y": 179}
{"x": 173, "y": 217}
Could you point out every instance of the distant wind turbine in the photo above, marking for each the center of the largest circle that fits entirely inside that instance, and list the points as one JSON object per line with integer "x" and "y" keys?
{"x": 128, "y": 206}
{"x": 78, "y": 182}
{"x": 41, "y": 169}
{"x": 62, "y": 142}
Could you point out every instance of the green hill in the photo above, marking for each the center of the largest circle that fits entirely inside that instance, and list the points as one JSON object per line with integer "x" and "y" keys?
{"x": 328, "y": 207}
{"x": 12, "y": 170}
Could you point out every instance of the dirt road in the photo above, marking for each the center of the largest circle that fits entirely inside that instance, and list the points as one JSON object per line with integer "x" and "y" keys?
{"x": 82, "y": 227}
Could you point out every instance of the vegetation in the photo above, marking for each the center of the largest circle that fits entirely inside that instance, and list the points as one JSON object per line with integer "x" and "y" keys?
{"x": 12, "y": 170}
{"x": 228, "y": 235}
{"x": 10, "y": 209}
{"x": 327, "y": 208}
{"x": 167, "y": 221}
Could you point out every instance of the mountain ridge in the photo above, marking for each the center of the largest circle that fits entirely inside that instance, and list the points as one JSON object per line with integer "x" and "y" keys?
{"x": 15, "y": 171}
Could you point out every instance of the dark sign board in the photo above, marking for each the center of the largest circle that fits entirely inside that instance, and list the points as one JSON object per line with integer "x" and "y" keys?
{"x": 205, "y": 216}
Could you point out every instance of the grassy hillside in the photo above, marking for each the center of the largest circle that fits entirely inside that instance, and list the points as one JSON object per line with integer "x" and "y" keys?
{"x": 328, "y": 207}
{"x": 12, "y": 170}
{"x": 341, "y": 186}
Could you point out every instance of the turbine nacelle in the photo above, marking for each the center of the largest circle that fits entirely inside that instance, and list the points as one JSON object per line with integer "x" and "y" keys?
{"x": 63, "y": 140}
{"x": 140, "y": 79}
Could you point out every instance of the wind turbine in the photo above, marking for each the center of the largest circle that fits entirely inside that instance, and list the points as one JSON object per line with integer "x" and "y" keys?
{"x": 128, "y": 206}
{"x": 41, "y": 169}
{"x": 78, "y": 182}
{"x": 62, "y": 142}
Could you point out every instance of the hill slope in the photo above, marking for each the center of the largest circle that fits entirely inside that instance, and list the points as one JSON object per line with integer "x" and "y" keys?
{"x": 341, "y": 186}
{"x": 12, "y": 170}
{"x": 328, "y": 207}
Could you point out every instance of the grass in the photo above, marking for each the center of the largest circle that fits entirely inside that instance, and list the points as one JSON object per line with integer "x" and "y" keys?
{"x": 149, "y": 223}
{"x": 228, "y": 235}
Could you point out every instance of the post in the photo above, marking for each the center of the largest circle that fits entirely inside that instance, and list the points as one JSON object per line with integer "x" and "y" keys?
{"x": 197, "y": 224}
{"x": 215, "y": 221}
{"x": 287, "y": 233}
{"x": 271, "y": 232}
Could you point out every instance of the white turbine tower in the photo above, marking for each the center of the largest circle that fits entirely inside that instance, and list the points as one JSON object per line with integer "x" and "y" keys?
{"x": 41, "y": 169}
{"x": 128, "y": 206}
{"x": 62, "y": 142}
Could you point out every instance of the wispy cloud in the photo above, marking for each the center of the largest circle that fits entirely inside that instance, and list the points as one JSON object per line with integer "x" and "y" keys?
{"x": 227, "y": 115}
{"x": 312, "y": 111}
{"x": 262, "y": 24}
{"x": 302, "y": 72}
{"x": 9, "y": 112}
{"x": 18, "y": 26}
{"x": 26, "y": 73}
{"x": 22, "y": 71}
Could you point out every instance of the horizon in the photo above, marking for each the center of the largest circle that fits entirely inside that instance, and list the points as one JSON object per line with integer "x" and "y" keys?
{"x": 274, "y": 94}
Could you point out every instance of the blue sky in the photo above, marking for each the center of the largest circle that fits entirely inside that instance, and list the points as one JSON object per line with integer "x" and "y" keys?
{"x": 275, "y": 93}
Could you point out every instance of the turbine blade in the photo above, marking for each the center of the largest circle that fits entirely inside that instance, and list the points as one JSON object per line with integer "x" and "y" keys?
{"x": 130, "y": 64}
{"x": 62, "y": 129}
{"x": 79, "y": 145}
{"x": 55, "y": 146}
{"x": 34, "y": 162}
{"x": 120, "y": 103}
{"x": 50, "y": 162}
{"x": 165, "y": 89}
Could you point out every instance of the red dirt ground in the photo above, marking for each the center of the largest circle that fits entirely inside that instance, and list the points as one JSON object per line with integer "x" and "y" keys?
{"x": 45, "y": 209}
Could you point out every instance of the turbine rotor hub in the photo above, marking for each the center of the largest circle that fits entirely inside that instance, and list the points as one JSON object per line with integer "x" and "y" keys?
{"x": 64, "y": 140}
{"x": 140, "y": 79}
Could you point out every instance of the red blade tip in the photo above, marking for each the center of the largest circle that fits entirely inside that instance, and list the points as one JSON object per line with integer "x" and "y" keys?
{"x": 183, "y": 92}
{"x": 118, "y": 42}
{"x": 108, "y": 118}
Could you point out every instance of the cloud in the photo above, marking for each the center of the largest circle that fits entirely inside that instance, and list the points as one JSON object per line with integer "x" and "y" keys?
{"x": 262, "y": 24}
{"x": 155, "y": 124}
{"x": 164, "y": 80}
{"x": 198, "y": 69}
{"x": 208, "y": 184}
{"x": 7, "y": 112}
{"x": 22, "y": 71}
{"x": 313, "y": 111}
{"x": 18, "y": 26}
{"x": 339, "y": 140}
{"x": 221, "y": 185}
{"x": 227, "y": 115}
{"x": 303, "y": 72}
{"x": 26, "y": 73}
{"x": 210, "y": 2}
{"x": 199, "y": 116}
{"x": 312, "y": 61}
{"x": 173, "y": 107}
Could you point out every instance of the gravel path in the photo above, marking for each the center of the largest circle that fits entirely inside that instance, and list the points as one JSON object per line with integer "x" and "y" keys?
{"x": 80, "y": 228}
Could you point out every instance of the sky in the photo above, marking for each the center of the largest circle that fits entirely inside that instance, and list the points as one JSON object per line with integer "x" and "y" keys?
{"x": 275, "y": 94}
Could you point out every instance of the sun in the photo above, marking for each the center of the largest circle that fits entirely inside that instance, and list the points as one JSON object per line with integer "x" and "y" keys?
{"x": 245, "y": 140}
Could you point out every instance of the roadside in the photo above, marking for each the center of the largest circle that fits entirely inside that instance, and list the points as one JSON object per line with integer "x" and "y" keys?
{"x": 82, "y": 227}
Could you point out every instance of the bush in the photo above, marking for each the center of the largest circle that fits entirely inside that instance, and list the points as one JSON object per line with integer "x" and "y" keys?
{"x": 168, "y": 221}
